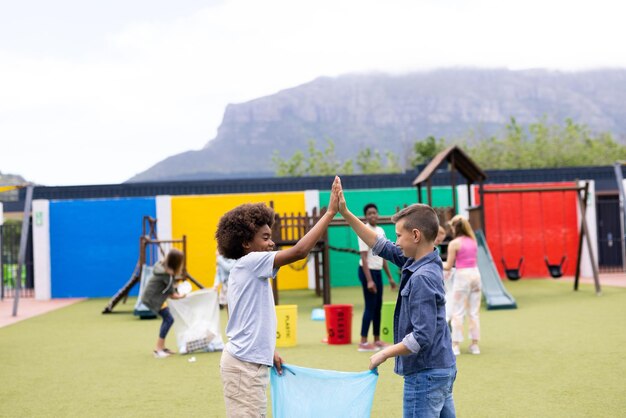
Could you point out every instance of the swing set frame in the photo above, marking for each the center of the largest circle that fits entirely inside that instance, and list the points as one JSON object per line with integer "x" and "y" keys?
{"x": 582, "y": 194}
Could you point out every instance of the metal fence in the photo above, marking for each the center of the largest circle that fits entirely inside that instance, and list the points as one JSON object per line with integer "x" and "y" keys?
{"x": 10, "y": 235}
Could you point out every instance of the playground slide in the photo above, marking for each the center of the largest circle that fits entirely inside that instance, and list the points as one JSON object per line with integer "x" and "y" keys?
{"x": 495, "y": 294}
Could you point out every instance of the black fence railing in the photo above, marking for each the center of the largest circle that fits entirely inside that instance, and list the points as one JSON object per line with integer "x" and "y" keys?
{"x": 610, "y": 250}
{"x": 10, "y": 235}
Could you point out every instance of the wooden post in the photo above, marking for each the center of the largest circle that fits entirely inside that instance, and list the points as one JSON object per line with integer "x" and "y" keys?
{"x": 584, "y": 231}
{"x": 481, "y": 193}
{"x": 326, "y": 268}
{"x": 453, "y": 183}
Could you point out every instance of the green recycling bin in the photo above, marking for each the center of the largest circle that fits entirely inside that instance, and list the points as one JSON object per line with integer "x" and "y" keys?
{"x": 386, "y": 322}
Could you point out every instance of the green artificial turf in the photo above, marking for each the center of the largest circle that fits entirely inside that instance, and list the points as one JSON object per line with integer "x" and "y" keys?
{"x": 561, "y": 354}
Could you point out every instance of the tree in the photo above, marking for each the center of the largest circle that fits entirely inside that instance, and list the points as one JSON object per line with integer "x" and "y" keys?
{"x": 370, "y": 162}
{"x": 542, "y": 145}
{"x": 316, "y": 163}
{"x": 426, "y": 149}
{"x": 539, "y": 145}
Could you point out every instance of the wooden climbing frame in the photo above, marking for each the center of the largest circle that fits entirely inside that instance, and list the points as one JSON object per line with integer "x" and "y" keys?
{"x": 287, "y": 230}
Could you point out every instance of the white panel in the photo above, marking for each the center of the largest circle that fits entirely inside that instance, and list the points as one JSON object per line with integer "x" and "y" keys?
{"x": 41, "y": 249}
{"x": 462, "y": 202}
{"x": 311, "y": 201}
{"x": 164, "y": 217}
{"x": 1, "y": 214}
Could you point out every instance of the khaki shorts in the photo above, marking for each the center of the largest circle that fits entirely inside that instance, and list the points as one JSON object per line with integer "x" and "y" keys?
{"x": 245, "y": 387}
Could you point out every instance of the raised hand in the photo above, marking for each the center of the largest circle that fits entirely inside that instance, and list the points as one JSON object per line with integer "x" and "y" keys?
{"x": 334, "y": 196}
{"x": 343, "y": 207}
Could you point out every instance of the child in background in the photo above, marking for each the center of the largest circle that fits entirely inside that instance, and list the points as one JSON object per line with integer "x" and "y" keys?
{"x": 224, "y": 265}
{"x": 422, "y": 346}
{"x": 447, "y": 276}
{"x": 371, "y": 278}
{"x": 159, "y": 287}
{"x": 466, "y": 290}
{"x": 441, "y": 235}
{"x": 244, "y": 234}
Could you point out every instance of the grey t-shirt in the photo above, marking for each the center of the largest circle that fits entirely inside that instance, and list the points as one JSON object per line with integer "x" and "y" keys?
{"x": 251, "y": 327}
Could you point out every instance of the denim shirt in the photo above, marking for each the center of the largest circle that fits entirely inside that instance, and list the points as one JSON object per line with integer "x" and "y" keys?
{"x": 419, "y": 320}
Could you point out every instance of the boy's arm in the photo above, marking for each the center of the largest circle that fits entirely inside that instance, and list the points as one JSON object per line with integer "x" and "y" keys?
{"x": 392, "y": 351}
{"x": 278, "y": 363}
{"x": 304, "y": 246}
{"x": 392, "y": 282}
{"x": 423, "y": 313}
{"x": 366, "y": 234}
{"x": 225, "y": 263}
{"x": 423, "y": 321}
{"x": 453, "y": 247}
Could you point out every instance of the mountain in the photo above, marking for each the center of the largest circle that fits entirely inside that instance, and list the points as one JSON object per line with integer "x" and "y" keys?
{"x": 391, "y": 112}
{"x": 11, "y": 179}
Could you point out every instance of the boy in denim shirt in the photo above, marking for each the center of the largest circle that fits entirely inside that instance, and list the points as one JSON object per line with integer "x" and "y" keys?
{"x": 423, "y": 347}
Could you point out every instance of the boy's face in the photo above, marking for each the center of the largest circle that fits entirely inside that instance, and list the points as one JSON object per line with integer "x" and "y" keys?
{"x": 371, "y": 216}
{"x": 441, "y": 235}
{"x": 262, "y": 241}
{"x": 406, "y": 240}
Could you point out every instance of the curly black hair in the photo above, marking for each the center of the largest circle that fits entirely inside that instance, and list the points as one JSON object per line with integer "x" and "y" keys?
{"x": 239, "y": 225}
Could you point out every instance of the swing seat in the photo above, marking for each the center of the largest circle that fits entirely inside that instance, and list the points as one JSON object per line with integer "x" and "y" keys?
{"x": 513, "y": 273}
{"x": 555, "y": 270}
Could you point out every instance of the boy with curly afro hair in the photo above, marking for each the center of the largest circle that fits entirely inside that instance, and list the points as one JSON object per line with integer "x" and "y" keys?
{"x": 245, "y": 234}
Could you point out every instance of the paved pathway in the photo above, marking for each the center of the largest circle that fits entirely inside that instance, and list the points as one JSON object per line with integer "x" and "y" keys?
{"x": 29, "y": 307}
{"x": 606, "y": 279}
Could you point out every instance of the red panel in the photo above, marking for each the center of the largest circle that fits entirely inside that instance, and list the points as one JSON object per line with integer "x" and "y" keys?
{"x": 533, "y": 225}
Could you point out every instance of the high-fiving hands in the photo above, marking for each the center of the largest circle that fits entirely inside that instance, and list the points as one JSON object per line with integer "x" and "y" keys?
{"x": 343, "y": 208}
{"x": 334, "y": 196}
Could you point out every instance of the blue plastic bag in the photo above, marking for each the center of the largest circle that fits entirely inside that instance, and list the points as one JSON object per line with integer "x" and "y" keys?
{"x": 302, "y": 392}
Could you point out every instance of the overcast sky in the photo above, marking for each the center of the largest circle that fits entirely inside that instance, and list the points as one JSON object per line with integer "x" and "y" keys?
{"x": 94, "y": 92}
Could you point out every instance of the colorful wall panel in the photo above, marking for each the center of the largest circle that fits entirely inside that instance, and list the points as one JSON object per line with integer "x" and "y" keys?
{"x": 94, "y": 245}
{"x": 197, "y": 218}
{"x": 532, "y": 225}
{"x": 343, "y": 265}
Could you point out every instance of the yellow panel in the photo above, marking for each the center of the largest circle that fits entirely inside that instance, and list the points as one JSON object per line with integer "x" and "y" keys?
{"x": 197, "y": 217}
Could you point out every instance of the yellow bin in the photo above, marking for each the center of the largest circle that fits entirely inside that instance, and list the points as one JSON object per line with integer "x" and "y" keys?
{"x": 287, "y": 325}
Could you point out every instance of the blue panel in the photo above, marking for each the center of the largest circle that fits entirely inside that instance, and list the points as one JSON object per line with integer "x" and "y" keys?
{"x": 94, "y": 244}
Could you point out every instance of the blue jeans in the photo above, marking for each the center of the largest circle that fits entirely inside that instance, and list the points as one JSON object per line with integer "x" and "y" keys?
{"x": 168, "y": 321}
{"x": 428, "y": 393}
{"x": 373, "y": 302}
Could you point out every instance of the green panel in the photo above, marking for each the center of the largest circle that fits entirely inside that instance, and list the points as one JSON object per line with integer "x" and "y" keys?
{"x": 343, "y": 265}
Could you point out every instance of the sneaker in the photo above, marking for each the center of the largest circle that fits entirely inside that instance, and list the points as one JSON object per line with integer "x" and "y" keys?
{"x": 160, "y": 354}
{"x": 456, "y": 350}
{"x": 368, "y": 347}
{"x": 381, "y": 344}
{"x": 474, "y": 349}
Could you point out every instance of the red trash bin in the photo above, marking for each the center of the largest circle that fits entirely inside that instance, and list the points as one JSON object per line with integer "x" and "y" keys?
{"x": 338, "y": 323}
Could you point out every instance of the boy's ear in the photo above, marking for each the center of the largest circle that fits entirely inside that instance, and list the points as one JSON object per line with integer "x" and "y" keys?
{"x": 246, "y": 245}
{"x": 417, "y": 235}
